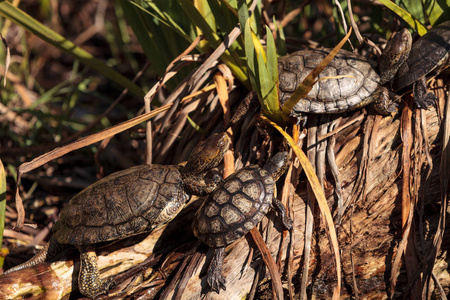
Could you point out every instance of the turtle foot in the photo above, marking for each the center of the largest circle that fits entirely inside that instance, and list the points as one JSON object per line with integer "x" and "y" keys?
{"x": 216, "y": 281}
{"x": 427, "y": 101}
{"x": 97, "y": 288}
{"x": 89, "y": 282}
{"x": 215, "y": 277}
{"x": 422, "y": 97}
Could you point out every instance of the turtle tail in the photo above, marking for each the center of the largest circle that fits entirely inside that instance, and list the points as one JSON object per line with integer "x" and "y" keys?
{"x": 50, "y": 250}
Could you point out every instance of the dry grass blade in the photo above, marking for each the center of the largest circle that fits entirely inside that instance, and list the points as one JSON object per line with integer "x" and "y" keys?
{"x": 171, "y": 70}
{"x": 310, "y": 207}
{"x": 331, "y": 156}
{"x": 222, "y": 92}
{"x": 217, "y": 53}
{"x": 151, "y": 94}
{"x": 407, "y": 206}
{"x": 270, "y": 263}
{"x": 342, "y": 127}
{"x": 321, "y": 201}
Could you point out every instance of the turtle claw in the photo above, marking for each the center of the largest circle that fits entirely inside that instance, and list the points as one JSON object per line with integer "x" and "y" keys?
{"x": 95, "y": 289}
{"x": 215, "y": 277}
{"x": 216, "y": 281}
{"x": 422, "y": 97}
{"x": 427, "y": 101}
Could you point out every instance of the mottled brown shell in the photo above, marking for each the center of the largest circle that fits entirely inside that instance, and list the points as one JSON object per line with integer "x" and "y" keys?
{"x": 122, "y": 204}
{"x": 332, "y": 95}
{"x": 235, "y": 207}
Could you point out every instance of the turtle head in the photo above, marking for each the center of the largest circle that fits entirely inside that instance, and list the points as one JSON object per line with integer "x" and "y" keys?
{"x": 277, "y": 165}
{"x": 207, "y": 154}
{"x": 394, "y": 55}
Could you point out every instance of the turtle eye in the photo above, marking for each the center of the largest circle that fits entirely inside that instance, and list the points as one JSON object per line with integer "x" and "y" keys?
{"x": 221, "y": 143}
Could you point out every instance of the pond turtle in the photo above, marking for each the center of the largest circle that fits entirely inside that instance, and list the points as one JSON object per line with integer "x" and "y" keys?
{"x": 428, "y": 57}
{"x": 237, "y": 205}
{"x": 127, "y": 203}
{"x": 355, "y": 83}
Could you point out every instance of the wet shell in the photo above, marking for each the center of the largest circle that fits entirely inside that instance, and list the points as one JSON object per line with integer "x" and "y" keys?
{"x": 235, "y": 207}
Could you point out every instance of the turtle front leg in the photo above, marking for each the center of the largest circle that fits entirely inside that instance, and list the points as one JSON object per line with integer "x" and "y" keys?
{"x": 201, "y": 186}
{"x": 215, "y": 277}
{"x": 383, "y": 103}
{"x": 89, "y": 282}
{"x": 285, "y": 219}
{"x": 422, "y": 97}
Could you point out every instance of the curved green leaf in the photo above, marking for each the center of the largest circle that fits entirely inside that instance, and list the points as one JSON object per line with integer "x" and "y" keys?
{"x": 2, "y": 203}
{"x": 410, "y": 19}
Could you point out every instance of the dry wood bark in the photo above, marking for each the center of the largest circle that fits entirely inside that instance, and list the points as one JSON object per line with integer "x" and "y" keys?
{"x": 369, "y": 235}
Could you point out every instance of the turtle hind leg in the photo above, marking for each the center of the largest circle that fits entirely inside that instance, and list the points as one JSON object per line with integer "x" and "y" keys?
{"x": 50, "y": 250}
{"x": 215, "y": 277}
{"x": 422, "y": 97}
{"x": 89, "y": 282}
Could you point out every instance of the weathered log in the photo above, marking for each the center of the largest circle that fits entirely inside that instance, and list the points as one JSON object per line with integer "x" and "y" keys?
{"x": 369, "y": 235}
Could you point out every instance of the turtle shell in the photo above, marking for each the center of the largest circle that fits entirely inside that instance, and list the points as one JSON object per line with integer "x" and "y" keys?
{"x": 235, "y": 207}
{"x": 331, "y": 95}
{"x": 429, "y": 54}
{"x": 122, "y": 204}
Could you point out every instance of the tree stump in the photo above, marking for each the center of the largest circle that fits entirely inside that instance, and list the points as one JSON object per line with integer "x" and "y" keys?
{"x": 369, "y": 236}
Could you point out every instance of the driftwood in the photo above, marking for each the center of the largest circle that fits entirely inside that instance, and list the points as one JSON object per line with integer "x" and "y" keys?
{"x": 369, "y": 235}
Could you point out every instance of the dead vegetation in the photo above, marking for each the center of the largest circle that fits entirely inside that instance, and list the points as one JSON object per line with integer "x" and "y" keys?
{"x": 386, "y": 187}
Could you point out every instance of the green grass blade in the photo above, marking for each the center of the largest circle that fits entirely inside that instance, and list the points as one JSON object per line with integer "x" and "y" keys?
{"x": 162, "y": 16}
{"x": 272, "y": 58}
{"x": 411, "y": 20}
{"x": 250, "y": 55}
{"x": 204, "y": 9}
{"x": 231, "y": 56}
{"x": 2, "y": 203}
{"x": 199, "y": 21}
{"x": 27, "y": 22}
{"x": 144, "y": 33}
{"x": 281, "y": 39}
{"x": 272, "y": 77}
{"x": 263, "y": 72}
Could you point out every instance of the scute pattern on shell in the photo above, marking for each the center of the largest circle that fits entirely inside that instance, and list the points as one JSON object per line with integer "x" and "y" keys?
{"x": 330, "y": 95}
{"x": 230, "y": 212}
{"x": 122, "y": 204}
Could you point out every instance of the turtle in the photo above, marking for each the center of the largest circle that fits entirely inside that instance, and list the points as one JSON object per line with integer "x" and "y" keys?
{"x": 235, "y": 207}
{"x": 355, "y": 83}
{"x": 126, "y": 203}
{"x": 428, "y": 57}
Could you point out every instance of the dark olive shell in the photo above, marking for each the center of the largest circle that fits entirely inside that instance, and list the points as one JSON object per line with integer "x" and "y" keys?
{"x": 122, "y": 204}
{"x": 429, "y": 54}
{"x": 331, "y": 95}
{"x": 235, "y": 207}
